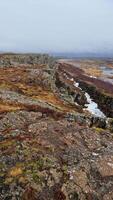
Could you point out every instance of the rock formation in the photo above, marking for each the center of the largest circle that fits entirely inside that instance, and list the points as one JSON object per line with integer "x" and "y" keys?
{"x": 50, "y": 147}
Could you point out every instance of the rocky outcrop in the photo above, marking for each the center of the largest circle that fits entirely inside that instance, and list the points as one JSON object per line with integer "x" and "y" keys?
{"x": 68, "y": 91}
{"x": 14, "y": 60}
{"x": 100, "y": 91}
{"x": 50, "y": 148}
{"x": 104, "y": 100}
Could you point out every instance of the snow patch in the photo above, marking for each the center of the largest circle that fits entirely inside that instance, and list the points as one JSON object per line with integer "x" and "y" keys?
{"x": 95, "y": 154}
{"x": 71, "y": 79}
{"x": 92, "y": 107}
{"x": 76, "y": 84}
{"x": 93, "y": 77}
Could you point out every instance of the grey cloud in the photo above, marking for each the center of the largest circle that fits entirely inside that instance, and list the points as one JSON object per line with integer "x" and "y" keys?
{"x": 58, "y": 26}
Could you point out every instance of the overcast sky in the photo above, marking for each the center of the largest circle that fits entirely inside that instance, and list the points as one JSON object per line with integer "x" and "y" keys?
{"x": 56, "y": 25}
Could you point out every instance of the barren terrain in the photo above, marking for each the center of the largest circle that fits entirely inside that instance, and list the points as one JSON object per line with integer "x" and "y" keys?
{"x": 51, "y": 147}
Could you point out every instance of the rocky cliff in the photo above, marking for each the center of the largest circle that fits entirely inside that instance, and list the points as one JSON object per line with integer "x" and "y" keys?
{"x": 51, "y": 148}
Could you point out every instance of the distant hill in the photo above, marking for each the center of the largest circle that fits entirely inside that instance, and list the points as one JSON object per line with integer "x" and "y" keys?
{"x": 83, "y": 55}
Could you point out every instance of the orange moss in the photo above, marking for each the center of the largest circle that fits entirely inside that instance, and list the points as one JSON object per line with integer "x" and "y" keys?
{"x": 6, "y": 143}
{"x": 8, "y": 107}
{"x": 9, "y": 80}
{"x": 44, "y": 96}
{"x": 15, "y": 171}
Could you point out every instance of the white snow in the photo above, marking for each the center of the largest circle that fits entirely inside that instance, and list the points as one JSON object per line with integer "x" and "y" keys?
{"x": 95, "y": 154}
{"x": 77, "y": 85}
{"x": 93, "y": 77}
{"x": 92, "y": 107}
{"x": 71, "y": 79}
